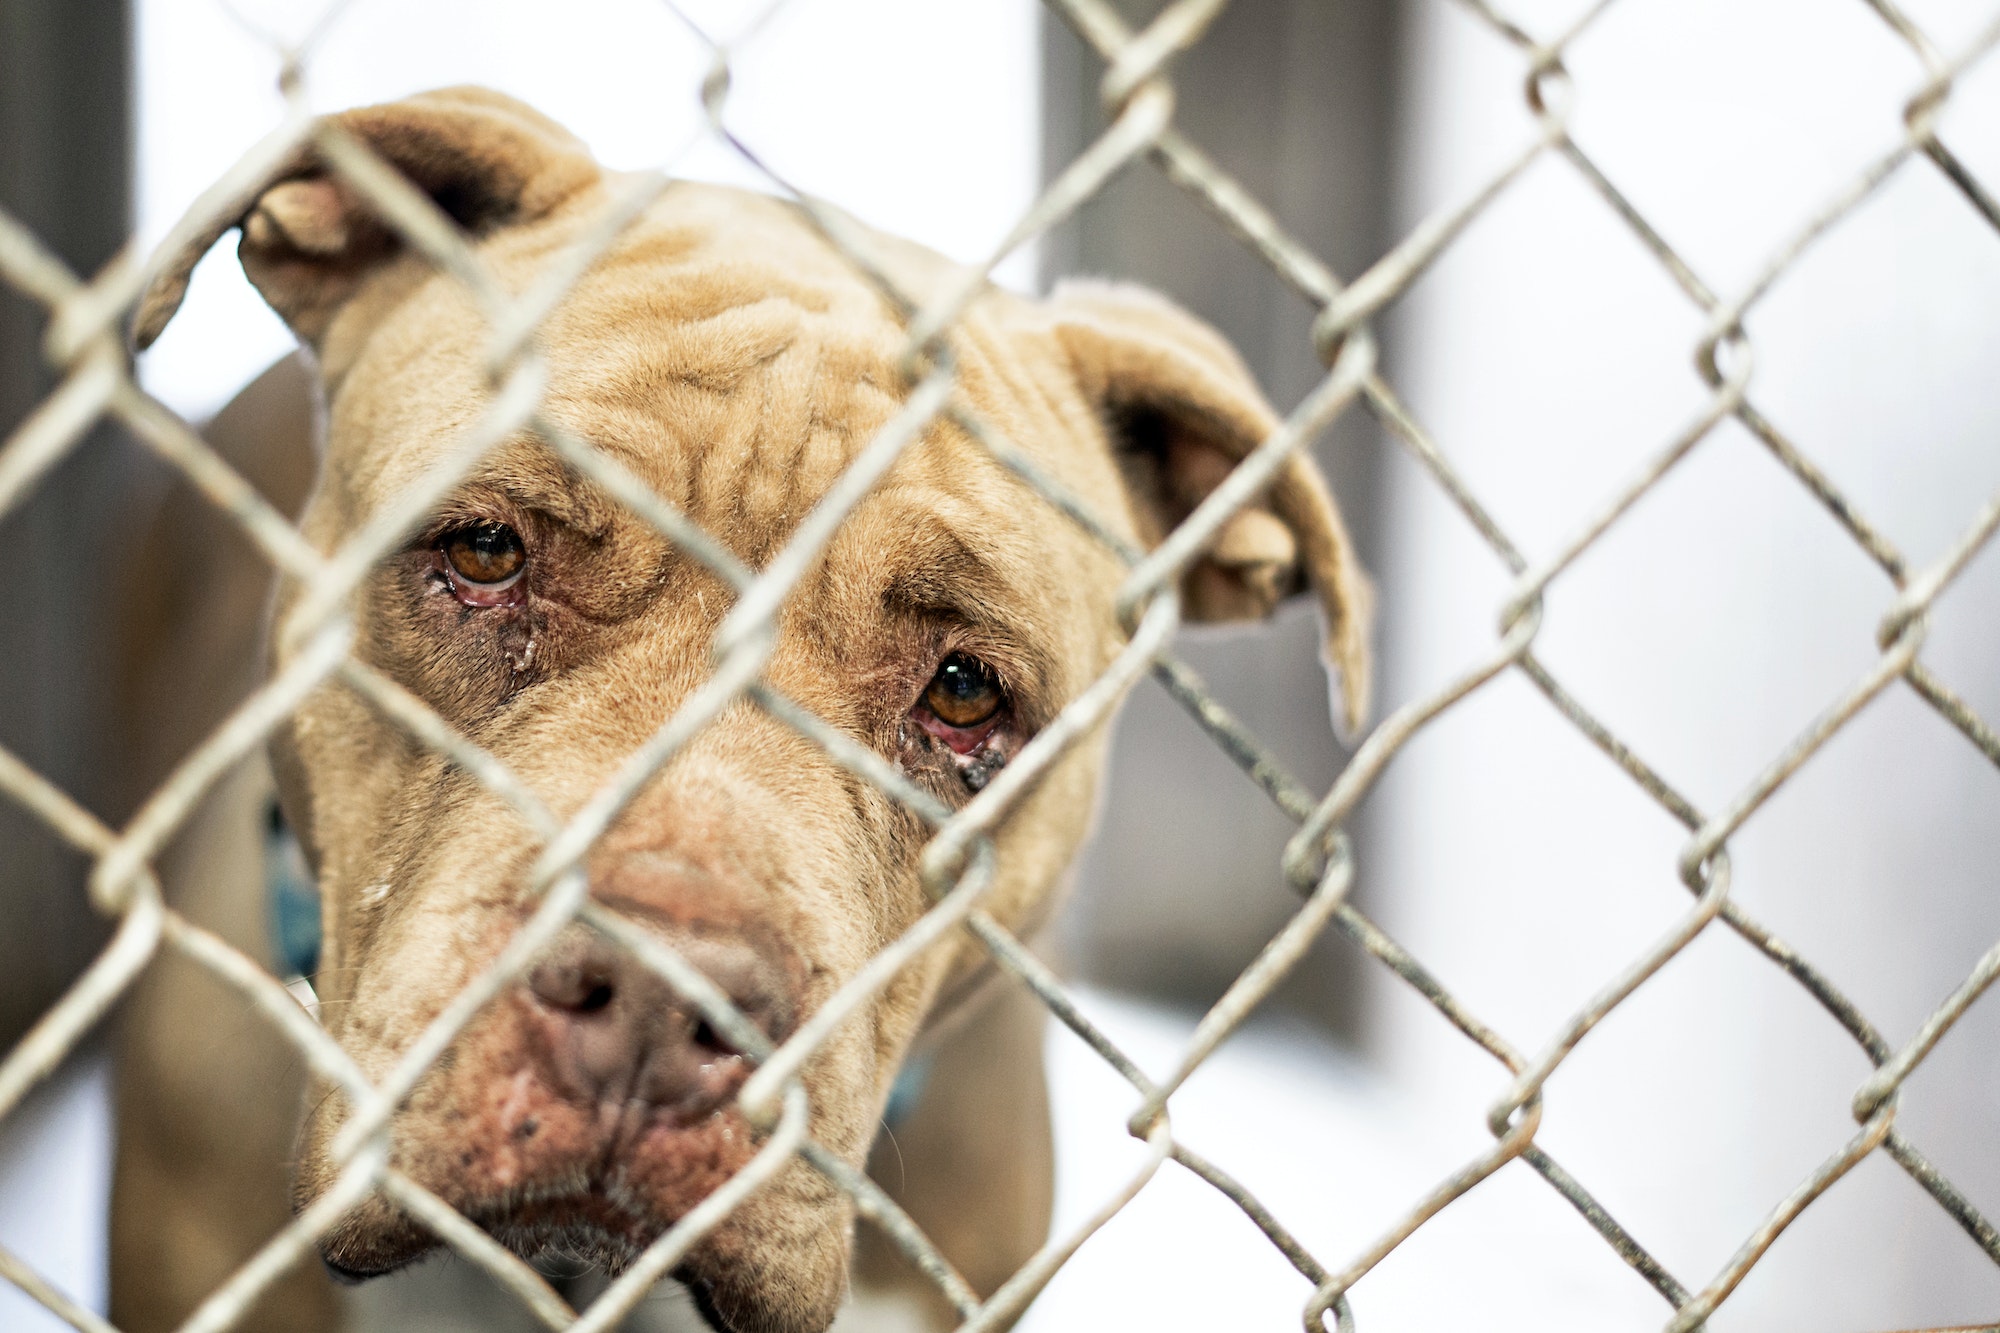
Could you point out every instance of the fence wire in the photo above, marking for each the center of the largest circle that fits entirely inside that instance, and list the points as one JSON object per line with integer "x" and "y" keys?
{"x": 85, "y": 343}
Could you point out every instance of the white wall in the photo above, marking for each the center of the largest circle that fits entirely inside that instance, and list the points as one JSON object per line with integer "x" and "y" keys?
{"x": 920, "y": 118}
{"x": 1549, "y": 354}
{"x": 55, "y": 1187}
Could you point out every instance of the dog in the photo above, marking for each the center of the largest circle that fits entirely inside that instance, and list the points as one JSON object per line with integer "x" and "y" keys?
{"x": 729, "y": 356}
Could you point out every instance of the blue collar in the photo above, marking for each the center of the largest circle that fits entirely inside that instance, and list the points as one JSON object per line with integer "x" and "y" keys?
{"x": 907, "y": 1090}
{"x": 291, "y": 900}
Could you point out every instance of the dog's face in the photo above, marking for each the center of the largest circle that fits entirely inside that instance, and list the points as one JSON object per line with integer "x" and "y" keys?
{"x": 729, "y": 358}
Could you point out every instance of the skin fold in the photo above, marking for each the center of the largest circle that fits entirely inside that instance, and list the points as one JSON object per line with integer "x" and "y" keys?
{"x": 731, "y": 359}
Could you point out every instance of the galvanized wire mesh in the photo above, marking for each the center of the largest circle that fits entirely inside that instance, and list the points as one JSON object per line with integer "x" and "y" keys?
{"x": 85, "y": 344}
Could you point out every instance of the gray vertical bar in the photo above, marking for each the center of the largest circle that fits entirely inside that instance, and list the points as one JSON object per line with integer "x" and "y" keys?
{"x": 64, "y": 171}
{"x": 1293, "y": 98}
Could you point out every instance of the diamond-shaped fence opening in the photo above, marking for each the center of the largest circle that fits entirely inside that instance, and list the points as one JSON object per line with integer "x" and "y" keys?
{"x": 86, "y": 344}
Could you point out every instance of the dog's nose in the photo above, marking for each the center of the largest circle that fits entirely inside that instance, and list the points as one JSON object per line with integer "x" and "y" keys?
{"x": 615, "y": 1033}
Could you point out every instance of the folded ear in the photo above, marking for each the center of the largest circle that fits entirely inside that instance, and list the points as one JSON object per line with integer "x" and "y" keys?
{"x": 309, "y": 241}
{"x": 1182, "y": 411}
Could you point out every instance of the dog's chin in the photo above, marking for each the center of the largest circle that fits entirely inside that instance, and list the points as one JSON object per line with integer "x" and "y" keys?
{"x": 578, "y": 1186}
{"x": 351, "y": 1257}
{"x": 581, "y": 1230}
{"x": 588, "y": 1232}
{"x": 346, "y": 1276}
{"x": 545, "y": 1244}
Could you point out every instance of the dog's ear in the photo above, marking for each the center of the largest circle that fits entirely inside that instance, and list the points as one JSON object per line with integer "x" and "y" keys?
{"x": 309, "y": 241}
{"x": 1182, "y": 410}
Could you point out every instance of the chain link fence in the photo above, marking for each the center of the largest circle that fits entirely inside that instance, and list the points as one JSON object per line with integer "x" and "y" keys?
{"x": 85, "y": 341}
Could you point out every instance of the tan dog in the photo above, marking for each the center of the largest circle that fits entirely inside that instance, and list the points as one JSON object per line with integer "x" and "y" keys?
{"x": 733, "y": 360}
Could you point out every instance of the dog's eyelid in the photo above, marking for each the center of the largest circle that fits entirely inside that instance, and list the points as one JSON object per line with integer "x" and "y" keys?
{"x": 554, "y": 492}
{"x": 576, "y": 513}
{"x": 953, "y": 597}
{"x": 458, "y": 515}
{"x": 948, "y": 630}
{"x": 526, "y": 500}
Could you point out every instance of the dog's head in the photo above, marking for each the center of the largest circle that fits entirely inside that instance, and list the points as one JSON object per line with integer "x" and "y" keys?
{"x": 726, "y": 355}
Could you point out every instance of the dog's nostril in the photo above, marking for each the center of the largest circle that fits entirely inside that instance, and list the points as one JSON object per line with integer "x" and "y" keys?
{"x": 573, "y": 987}
{"x": 708, "y": 1040}
{"x": 608, "y": 1029}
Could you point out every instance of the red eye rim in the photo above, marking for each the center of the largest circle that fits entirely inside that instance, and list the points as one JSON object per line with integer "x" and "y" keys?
{"x": 507, "y": 590}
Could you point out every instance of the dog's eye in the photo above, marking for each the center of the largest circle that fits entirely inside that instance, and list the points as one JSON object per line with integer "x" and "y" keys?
{"x": 964, "y": 692}
{"x": 488, "y": 554}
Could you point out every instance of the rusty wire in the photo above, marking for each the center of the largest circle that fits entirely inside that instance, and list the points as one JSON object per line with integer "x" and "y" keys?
{"x": 84, "y": 345}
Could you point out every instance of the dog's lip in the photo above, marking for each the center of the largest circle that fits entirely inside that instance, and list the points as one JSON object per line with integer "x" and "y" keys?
{"x": 587, "y": 1205}
{"x": 703, "y": 1301}
{"x": 350, "y": 1262}
{"x": 354, "y": 1277}
{"x": 588, "y": 1191}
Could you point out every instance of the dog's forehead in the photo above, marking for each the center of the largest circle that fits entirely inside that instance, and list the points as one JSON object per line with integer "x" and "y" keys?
{"x": 720, "y": 348}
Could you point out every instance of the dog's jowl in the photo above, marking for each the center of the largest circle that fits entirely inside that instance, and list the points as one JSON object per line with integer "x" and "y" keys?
{"x": 728, "y": 356}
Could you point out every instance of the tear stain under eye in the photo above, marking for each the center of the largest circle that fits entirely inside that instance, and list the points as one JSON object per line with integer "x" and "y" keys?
{"x": 519, "y": 660}
{"x": 980, "y": 768}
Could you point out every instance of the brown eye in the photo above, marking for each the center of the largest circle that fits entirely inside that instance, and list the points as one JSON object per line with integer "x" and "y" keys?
{"x": 490, "y": 554}
{"x": 964, "y": 692}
